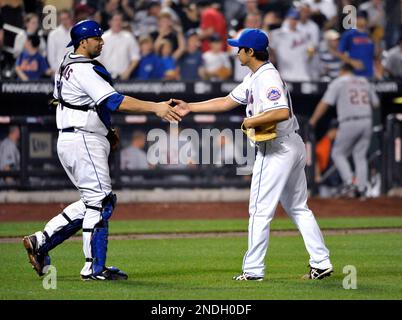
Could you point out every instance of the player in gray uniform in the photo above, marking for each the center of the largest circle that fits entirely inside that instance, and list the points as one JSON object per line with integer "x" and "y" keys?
{"x": 354, "y": 98}
{"x": 86, "y": 98}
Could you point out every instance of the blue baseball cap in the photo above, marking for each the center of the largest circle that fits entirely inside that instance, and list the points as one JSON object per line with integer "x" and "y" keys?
{"x": 293, "y": 13}
{"x": 255, "y": 39}
{"x": 83, "y": 30}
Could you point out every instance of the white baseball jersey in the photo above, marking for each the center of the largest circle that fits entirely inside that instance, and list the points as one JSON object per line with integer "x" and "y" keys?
{"x": 83, "y": 153}
{"x": 263, "y": 91}
{"x": 291, "y": 48}
{"x": 214, "y": 61}
{"x": 56, "y": 46}
{"x": 118, "y": 51}
{"x": 278, "y": 173}
{"x": 81, "y": 85}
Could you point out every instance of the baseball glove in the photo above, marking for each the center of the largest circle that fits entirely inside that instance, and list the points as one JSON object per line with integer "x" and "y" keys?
{"x": 261, "y": 133}
{"x": 113, "y": 138}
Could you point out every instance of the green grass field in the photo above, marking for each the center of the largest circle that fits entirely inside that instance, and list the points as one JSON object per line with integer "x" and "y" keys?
{"x": 201, "y": 268}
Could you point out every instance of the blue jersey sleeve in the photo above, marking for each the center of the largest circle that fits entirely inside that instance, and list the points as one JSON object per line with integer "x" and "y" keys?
{"x": 344, "y": 42}
{"x": 113, "y": 102}
{"x": 43, "y": 65}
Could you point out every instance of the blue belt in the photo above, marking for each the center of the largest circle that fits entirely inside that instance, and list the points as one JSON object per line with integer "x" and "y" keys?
{"x": 70, "y": 129}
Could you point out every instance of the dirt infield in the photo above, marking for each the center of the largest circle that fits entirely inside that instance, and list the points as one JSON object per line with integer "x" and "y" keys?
{"x": 321, "y": 208}
{"x": 232, "y": 234}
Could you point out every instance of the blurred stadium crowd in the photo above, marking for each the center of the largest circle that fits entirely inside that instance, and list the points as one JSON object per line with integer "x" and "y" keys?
{"x": 186, "y": 39}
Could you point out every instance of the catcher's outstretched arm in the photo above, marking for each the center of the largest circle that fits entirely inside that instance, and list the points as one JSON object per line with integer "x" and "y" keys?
{"x": 161, "y": 109}
{"x": 267, "y": 118}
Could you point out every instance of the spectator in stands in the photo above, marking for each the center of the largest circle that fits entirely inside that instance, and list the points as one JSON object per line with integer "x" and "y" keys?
{"x": 247, "y": 8}
{"x": 146, "y": 20}
{"x": 375, "y": 13}
{"x": 253, "y": 20}
{"x": 272, "y": 20}
{"x": 31, "y": 65}
{"x": 149, "y": 67}
{"x": 324, "y": 12}
{"x": 58, "y": 40}
{"x": 168, "y": 62}
{"x": 12, "y": 12}
{"x": 357, "y": 49}
{"x": 330, "y": 64}
{"x": 217, "y": 66}
{"x": 134, "y": 157}
{"x": 120, "y": 54}
{"x": 83, "y": 11}
{"x": 289, "y": 49}
{"x": 9, "y": 153}
{"x": 187, "y": 13}
{"x": 104, "y": 15}
{"x": 393, "y": 61}
{"x": 127, "y": 8}
{"x": 169, "y": 31}
{"x": 376, "y": 27}
{"x": 31, "y": 21}
{"x": 191, "y": 63}
{"x": 308, "y": 26}
{"x": 212, "y": 21}
{"x": 312, "y": 31}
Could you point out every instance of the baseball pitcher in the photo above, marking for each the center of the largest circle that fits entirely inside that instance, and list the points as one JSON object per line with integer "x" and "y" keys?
{"x": 278, "y": 173}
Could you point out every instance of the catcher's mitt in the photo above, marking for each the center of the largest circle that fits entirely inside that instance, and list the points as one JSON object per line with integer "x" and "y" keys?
{"x": 261, "y": 133}
{"x": 114, "y": 138}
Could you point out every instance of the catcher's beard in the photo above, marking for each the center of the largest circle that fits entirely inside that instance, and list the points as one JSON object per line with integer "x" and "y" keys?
{"x": 95, "y": 51}
{"x": 94, "y": 54}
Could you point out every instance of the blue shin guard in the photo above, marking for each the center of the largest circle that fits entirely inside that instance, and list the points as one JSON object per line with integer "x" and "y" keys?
{"x": 100, "y": 234}
{"x": 58, "y": 237}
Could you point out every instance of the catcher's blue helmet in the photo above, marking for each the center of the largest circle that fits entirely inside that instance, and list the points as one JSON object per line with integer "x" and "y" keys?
{"x": 83, "y": 30}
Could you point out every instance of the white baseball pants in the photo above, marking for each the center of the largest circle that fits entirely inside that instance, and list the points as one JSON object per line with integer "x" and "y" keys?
{"x": 278, "y": 175}
{"x": 84, "y": 157}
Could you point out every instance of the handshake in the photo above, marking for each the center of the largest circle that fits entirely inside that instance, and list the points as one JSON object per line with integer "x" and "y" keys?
{"x": 172, "y": 110}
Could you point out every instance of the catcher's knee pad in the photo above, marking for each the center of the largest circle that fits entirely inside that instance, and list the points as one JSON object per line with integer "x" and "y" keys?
{"x": 108, "y": 205}
{"x": 99, "y": 239}
{"x": 59, "y": 236}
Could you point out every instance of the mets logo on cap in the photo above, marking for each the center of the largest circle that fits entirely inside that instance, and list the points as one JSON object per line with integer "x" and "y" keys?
{"x": 273, "y": 94}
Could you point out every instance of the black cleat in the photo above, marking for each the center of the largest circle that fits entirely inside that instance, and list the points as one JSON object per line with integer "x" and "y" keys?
{"x": 246, "y": 277}
{"x": 109, "y": 273}
{"x": 318, "y": 274}
{"x": 36, "y": 260}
